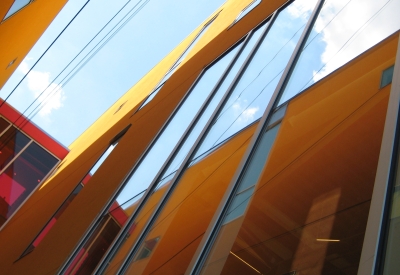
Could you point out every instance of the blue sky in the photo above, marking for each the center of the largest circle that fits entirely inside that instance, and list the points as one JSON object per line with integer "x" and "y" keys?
{"x": 135, "y": 49}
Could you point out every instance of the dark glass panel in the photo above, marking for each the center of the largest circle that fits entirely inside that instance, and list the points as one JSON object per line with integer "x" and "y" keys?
{"x": 3, "y": 124}
{"x": 387, "y": 76}
{"x": 22, "y": 177}
{"x": 93, "y": 251}
{"x": 11, "y": 143}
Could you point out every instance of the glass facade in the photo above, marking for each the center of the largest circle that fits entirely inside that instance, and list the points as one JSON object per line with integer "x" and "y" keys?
{"x": 176, "y": 64}
{"x": 23, "y": 166}
{"x": 258, "y": 170}
{"x": 73, "y": 194}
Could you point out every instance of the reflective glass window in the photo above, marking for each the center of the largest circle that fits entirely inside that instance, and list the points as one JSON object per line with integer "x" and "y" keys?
{"x": 387, "y": 76}
{"x": 169, "y": 172}
{"x": 68, "y": 201}
{"x": 343, "y": 30}
{"x": 188, "y": 211}
{"x": 52, "y": 221}
{"x": 22, "y": 177}
{"x": 93, "y": 251}
{"x": 176, "y": 64}
{"x": 11, "y": 143}
{"x": 3, "y": 125}
{"x": 16, "y": 6}
{"x": 257, "y": 84}
{"x": 147, "y": 170}
{"x": 308, "y": 211}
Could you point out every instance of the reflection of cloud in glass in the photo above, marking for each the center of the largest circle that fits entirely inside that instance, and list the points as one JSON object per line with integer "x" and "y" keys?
{"x": 244, "y": 113}
{"x": 347, "y": 28}
{"x": 301, "y": 9}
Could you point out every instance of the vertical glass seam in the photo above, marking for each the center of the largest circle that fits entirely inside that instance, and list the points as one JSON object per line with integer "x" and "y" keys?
{"x": 177, "y": 62}
{"x": 181, "y": 142}
{"x": 269, "y": 20}
{"x": 210, "y": 235}
{"x": 103, "y": 212}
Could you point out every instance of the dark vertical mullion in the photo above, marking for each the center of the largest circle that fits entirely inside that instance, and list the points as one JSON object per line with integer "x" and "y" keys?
{"x": 388, "y": 171}
{"x": 105, "y": 209}
{"x": 121, "y": 236}
{"x": 212, "y": 231}
{"x": 195, "y": 146}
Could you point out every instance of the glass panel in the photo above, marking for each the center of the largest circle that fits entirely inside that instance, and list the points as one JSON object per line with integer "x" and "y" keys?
{"x": 257, "y": 84}
{"x": 239, "y": 205}
{"x": 3, "y": 124}
{"x": 11, "y": 143}
{"x": 188, "y": 211}
{"x": 309, "y": 208}
{"x": 68, "y": 201}
{"x": 176, "y": 64}
{"x": 343, "y": 30}
{"x": 183, "y": 151}
{"x": 170, "y": 171}
{"x": 248, "y": 9}
{"x": 387, "y": 76}
{"x": 22, "y": 177}
{"x": 52, "y": 221}
{"x": 92, "y": 252}
{"x": 258, "y": 160}
{"x": 147, "y": 170}
{"x": 18, "y": 4}
{"x": 391, "y": 261}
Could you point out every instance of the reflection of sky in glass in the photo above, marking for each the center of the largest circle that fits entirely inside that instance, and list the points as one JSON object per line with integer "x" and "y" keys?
{"x": 254, "y": 90}
{"x": 176, "y": 64}
{"x": 343, "y": 30}
{"x": 158, "y": 154}
{"x": 183, "y": 151}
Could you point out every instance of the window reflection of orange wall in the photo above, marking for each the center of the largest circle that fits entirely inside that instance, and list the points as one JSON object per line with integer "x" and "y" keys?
{"x": 311, "y": 204}
{"x": 188, "y": 212}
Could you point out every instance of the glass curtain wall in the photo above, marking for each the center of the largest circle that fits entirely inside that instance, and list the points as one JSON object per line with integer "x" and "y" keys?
{"x": 23, "y": 166}
{"x": 134, "y": 189}
{"x": 176, "y": 64}
{"x": 69, "y": 199}
{"x": 318, "y": 180}
{"x": 344, "y": 29}
{"x": 249, "y": 94}
{"x": 167, "y": 178}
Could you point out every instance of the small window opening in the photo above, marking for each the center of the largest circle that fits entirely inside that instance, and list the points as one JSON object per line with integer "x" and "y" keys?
{"x": 387, "y": 76}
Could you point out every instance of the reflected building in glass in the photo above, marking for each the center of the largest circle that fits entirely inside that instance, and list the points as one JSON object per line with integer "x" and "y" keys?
{"x": 266, "y": 143}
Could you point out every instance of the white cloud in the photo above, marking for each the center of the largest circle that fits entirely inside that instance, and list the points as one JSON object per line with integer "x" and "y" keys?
{"x": 244, "y": 115}
{"x": 37, "y": 82}
{"x": 301, "y": 8}
{"x": 348, "y": 28}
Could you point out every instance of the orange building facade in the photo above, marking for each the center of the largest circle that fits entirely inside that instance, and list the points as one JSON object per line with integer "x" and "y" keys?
{"x": 265, "y": 143}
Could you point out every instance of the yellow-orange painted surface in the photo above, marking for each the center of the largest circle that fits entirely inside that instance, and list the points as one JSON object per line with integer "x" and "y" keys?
{"x": 19, "y": 32}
